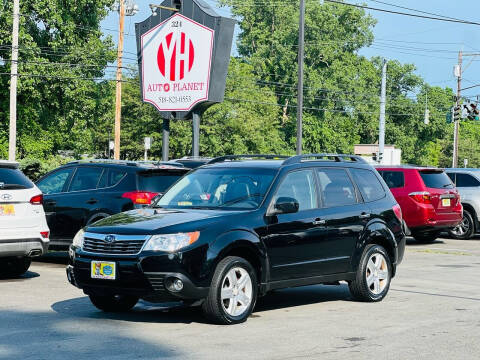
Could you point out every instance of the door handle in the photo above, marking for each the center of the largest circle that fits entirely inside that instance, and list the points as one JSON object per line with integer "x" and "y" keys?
{"x": 92, "y": 201}
{"x": 364, "y": 216}
{"x": 319, "y": 222}
{"x": 50, "y": 203}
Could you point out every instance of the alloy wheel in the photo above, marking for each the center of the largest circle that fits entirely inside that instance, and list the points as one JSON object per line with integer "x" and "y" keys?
{"x": 377, "y": 273}
{"x": 462, "y": 228}
{"x": 236, "y": 292}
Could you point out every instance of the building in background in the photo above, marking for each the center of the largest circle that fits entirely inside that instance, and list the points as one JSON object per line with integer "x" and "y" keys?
{"x": 391, "y": 155}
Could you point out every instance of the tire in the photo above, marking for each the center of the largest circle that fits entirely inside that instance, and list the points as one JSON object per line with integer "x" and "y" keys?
{"x": 13, "y": 267}
{"x": 114, "y": 303}
{"x": 365, "y": 287}
{"x": 235, "y": 303}
{"x": 465, "y": 230}
{"x": 426, "y": 237}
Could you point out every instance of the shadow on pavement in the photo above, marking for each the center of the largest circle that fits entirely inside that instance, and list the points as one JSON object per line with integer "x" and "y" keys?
{"x": 26, "y": 276}
{"x": 143, "y": 312}
{"x": 174, "y": 313}
{"x": 412, "y": 242}
{"x": 289, "y": 298}
{"x": 53, "y": 335}
{"x": 55, "y": 257}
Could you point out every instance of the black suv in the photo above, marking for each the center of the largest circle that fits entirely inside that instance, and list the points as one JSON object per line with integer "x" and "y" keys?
{"x": 239, "y": 227}
{"x": 82, "y": 192}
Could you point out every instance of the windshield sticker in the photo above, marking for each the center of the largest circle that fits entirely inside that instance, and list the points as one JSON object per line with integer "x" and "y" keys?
{"x": 185, "y": 203}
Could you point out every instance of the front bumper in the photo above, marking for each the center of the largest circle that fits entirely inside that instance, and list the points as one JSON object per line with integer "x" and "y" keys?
{"x": 146, "y": 276}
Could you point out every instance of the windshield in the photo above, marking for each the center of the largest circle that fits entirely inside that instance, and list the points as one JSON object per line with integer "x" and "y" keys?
{"x": 227, "y": 188}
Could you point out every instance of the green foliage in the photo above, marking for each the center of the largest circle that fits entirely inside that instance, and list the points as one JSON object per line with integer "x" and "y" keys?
{"x": 35, "y": 168}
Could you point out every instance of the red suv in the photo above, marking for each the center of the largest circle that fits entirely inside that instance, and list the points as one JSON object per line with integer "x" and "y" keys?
{"x": 429, "y": 200}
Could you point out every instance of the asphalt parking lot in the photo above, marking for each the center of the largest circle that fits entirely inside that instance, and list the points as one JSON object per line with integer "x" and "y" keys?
{"x": 431, "y": 312}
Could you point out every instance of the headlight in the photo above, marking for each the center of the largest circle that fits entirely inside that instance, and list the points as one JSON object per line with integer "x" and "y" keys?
{"x": 171, "y": 242}
{"x": 78, "y": 239}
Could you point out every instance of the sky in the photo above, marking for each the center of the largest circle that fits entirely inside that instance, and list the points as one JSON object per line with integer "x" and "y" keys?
{"x": 432, "y": 46}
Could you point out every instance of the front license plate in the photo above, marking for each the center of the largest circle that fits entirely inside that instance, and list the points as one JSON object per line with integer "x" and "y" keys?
{"x": 7, "y": 210}
{"x": 103, "y": 270}
{"x": 446, "y": 202}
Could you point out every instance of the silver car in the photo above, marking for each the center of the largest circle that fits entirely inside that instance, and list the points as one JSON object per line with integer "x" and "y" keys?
{"x": 467, "y": 182}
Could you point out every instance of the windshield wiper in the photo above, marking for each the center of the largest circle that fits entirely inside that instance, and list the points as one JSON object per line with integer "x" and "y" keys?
{"x": 12, "y": 187}
{"x": 234, "y": 201}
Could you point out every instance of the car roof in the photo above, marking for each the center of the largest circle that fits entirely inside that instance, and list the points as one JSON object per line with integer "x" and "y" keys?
{"x": 407, "y": 167}
{"x": 139, "y": 165}
{"x": 462, "y": 170}
{"x": 278, "y": 161}
{"x": 9, "y": 164}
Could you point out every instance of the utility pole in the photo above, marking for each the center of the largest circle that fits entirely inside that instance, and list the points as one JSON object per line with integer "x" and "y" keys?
{"x": 383, "y": 100}
{"x": 12, "y": 142}
{"x": 118, "y": 93}
{"x": 301, "y": 56}
{"x": 123, "y": 9}
{"x": 456, "y": 131}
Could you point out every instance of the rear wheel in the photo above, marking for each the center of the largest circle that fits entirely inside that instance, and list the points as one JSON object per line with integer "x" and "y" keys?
{"x": 233, "y": 292}
{"x": 466, "y": 229}
{"x": 373, "y": 277}
{"x": 114, "y": 303}
{"x": 14, "y": 266}
{"x": 426, "y": 237}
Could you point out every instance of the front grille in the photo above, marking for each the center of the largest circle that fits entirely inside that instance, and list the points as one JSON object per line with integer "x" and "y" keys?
{"x": 119, "y": 247}
{"x": 156, "y": 280}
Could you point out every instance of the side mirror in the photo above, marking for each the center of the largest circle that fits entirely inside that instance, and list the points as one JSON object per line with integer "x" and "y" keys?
{"x": 286, "y": 205}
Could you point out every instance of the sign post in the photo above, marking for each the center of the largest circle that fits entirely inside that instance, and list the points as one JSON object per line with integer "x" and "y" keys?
{"x": 183, "y": 55}
{"x": 148, "y": 145}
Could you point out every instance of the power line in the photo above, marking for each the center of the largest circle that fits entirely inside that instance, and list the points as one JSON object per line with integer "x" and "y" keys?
{"x": 404, "y": 13}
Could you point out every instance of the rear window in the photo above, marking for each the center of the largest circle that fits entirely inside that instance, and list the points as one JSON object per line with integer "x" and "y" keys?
{"x": 13, "y": 179}
{"x": 465, "y": 180}
{"x": 436, "y": 180}
{"x": 393, "y": 179}
{"x": 158, "y": 181}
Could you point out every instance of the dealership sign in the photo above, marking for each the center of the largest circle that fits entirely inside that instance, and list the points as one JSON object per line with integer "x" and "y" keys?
{"x": 177, "y": 57}
{"x": 183, "y": 57}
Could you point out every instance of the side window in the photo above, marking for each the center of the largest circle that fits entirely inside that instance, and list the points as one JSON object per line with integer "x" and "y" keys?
{"x": 110, "y": 178}
{"x": 465, "y": 180}
{"x": 369, "y": 185}
{"x": 393, "y": 179}
{"x": 336, "y": 188}
{"x": 55, "y": 182}
{"x": 299, "y": 185}
{"x": 451, "y": 176}
{"x": 86, "y": 178}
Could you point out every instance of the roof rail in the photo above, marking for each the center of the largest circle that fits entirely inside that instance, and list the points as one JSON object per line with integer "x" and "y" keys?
{"x": 104, "y": 161}
{"x": 255, "y": 156}
{"x": 320, "y": 157}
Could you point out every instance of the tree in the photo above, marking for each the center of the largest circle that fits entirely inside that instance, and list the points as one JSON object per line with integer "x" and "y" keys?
{"x": 61, "y": 54}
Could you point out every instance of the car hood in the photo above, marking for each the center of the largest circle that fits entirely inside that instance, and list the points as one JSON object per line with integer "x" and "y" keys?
{"x": 149, "y": 221}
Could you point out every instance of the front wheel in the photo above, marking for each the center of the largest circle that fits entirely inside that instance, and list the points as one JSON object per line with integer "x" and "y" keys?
{"x": 373, "y": 277}
{"x": 113, "y": 303}
{"x": 465, "y": 230}
{"x": 233, "y": 292}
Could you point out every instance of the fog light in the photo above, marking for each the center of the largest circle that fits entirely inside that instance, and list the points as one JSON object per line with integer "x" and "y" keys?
{"x": 177, "y": 285}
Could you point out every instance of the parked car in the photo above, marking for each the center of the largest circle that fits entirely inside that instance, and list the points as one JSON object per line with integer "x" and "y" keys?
{"x": 233, "y": 230}
{"x": 467, "y": 182}
{"x": 23, "y": 229}
{"x": 428, "y": 198}
{"x": 192, "y": 162}
{"x": 83, "y": 192}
